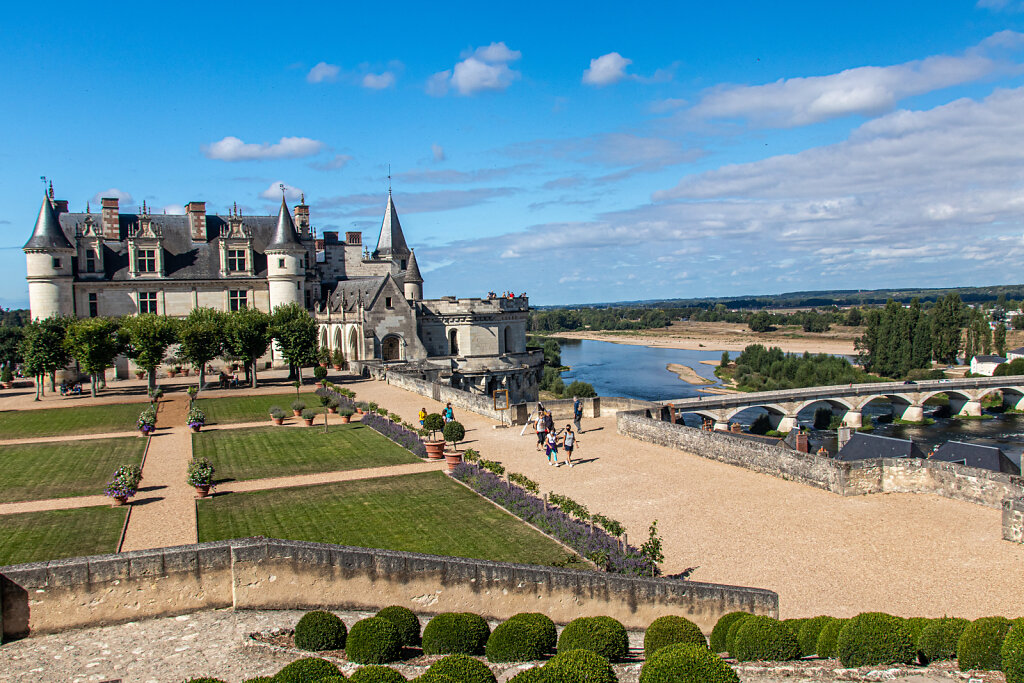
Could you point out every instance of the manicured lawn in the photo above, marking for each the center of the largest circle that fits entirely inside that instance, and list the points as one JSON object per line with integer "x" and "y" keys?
{"x": 231, "y": 409}
{"x": 24, "y": 424}
{"x": 64, "y": 468}
{"x": 257, "y": 452}
{"x": 425, "y": 513}
{"x": 50, "y": 535}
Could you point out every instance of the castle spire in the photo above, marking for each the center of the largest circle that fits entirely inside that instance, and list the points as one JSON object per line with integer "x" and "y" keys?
{"x": 391, "y": 243}
{"x": 285, "y": 236}
{"x": 48, "y": 233}
{"x": 412, "y": 272}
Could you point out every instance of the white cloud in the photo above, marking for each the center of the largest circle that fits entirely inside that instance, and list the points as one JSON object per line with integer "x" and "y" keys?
{"x": 437, "y": 151}
{"x": 482, "y": 69}
{"x": 234, "y": 149}
{"x": 606, "y": 69}
{"x": 323, "y": 72}
{"x": 123, "y": 197}
{"x": 274, "y": 191}
{"x": 174, "y": 209}
{"x": 338, "y": 161}
{"x": 866, "y": 90}
{"x": 1001, "y": 5}
{"x": 379, "y": 81}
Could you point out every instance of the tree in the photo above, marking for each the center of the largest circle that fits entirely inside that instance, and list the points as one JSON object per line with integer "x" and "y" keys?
{"x": 853, "y": 317}
{"x": 651, "y": 548}
{"x": 760, "y": 322}
{"x": 94, "y": 343}
{"x": 247, "y": 337}
{"x": 147, "y": 337}
{"x": 999, "y": 339}
{"x": 296, "y": 334}
{"x": 201, "y": 337}
{"x": 10, "y": 345}
{"x": 725, "y": 359}
{"x": 947, "y": 324}
{"x": 580, "y": 389}
{"x": 43, "y": 350}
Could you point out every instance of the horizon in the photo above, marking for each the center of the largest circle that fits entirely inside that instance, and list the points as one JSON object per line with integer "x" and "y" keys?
{"x": 709, "y": 153}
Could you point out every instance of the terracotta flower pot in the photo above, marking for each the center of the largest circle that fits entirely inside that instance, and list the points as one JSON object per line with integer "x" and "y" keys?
{"x": 139, "y": 375}
{"x": 277, "y": 420}
{"x": 172, "y": 373}
{"x": 202, "y": 491}
{"x": 185, "y": 372}
{"x": 452, "y": 459}
{"x": 337, "y": 367}
{"x": 332, "y": 411}
{"x": 196, "y": 428}
{"x": 309, "y": 422}
{"x": 119, "y": 501}
{"x": 435, "y": 449}
{"x": 345, "y": 419}
{"x": 297, "y": 413}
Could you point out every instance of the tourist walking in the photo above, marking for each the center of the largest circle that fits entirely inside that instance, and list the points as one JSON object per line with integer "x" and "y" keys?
{"x": 549, "y": 422}
{"x": 551, "y": 448}
{"x": 448, "y": 414}
{"x": 542, "y": 429}
{"x": 422, "y": 416}
{"x": 577, "y": 413}
{"x": 568, "y": 443}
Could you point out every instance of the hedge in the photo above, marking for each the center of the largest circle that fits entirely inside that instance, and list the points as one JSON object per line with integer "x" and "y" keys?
{"x": 320, "y": 630}
{"x": 375, "y": 674}
{"x": 670, "y": 630}
{"x": 373, "y": 641}
{"x": 721, "y": 630}
{"x": 937, "y": 642}
{"x": 462, "y": 668}
{"x": 686, "y": 663}
{"x": 544, "y": 624}
{"x": 980, "y": 644}
{"x": 761, "y": 638}
{"x": 730, "y": 637}
{"x": 435, "y": 678}
{"x": 534, "y": 675}
{"x": 456, "y": 633}
{"x": 828, "y": 638}
{"x": 809, "y": 632}
{"x": 602, "y": 635}
{"x": 406, "y": 621}
{"x": 1013, "y": 653}
{"x": 874, "y": 638}
{"x": 306, "y": 670}
{"x": 517, "y": 640}
{"x": 579, "y": 666}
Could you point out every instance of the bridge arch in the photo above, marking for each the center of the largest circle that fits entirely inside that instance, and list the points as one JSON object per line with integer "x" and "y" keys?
{"x": 833, "y": 403}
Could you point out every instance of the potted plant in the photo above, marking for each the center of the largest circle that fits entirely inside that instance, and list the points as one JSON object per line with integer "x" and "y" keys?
{"x": 346, "y": 415}
{"x": 361, "y": 407}
{"x": 196, "y": 419}
{"x": 320, "y": 373}
{"x": 7, "y": 377}
{"x": 434, "y": 423}
{"x": 371, "y": 407}
{"x": 276, "y": 415}
{"x": 332, "y": 405}
{"x": 146, "y": 424}
{"x": 139, "y": 374}
{"x": 307, "y": 417}
{"x": 184, "y": 371}
{"x": 191, "y": 391}
{"x": 124, "y": 484}
{"x": 454, "y": 432}
{"x": 338, "y": 359}
{"x": 200, "y": 475}
{"x": 155, "y": 395}
{"x": 298, "y": 407}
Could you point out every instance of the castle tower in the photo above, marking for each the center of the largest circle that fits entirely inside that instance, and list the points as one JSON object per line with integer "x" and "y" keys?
{"x": 391, "y": 243}
{"x": 48, "y": 255}
{"x": 285, "y": 269}
{"x": 413, "y": 280}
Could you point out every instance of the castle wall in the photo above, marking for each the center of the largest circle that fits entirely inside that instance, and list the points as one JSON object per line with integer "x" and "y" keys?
{"x": 258, "y": 573}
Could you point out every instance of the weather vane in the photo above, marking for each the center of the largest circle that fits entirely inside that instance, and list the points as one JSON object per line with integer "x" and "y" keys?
{"x": 281, "y": 185}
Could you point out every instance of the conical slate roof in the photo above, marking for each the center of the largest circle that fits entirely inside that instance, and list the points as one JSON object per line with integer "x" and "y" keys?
{"x": 412, "y": 273}
{"x": 285, "y": 236}
{"x": 391, "y": 242}
{"x": 48, "y": 234}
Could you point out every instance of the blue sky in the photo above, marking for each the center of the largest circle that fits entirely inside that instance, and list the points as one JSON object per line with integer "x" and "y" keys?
{"x": 577, "y": 152}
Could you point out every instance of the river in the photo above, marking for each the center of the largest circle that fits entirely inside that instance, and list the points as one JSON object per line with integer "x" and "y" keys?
{"x": 640, "y": 372}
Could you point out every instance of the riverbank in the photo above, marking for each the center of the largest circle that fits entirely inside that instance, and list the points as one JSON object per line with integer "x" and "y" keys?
{"x": 688, "y": 374}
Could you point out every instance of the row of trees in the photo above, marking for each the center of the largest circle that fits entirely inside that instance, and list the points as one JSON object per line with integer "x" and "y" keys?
{"x": 763, "y": 369}
{"x": 51, "y": 344}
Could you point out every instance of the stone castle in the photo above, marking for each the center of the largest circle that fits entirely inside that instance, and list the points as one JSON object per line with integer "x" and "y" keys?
{"x": 367, "y": 303}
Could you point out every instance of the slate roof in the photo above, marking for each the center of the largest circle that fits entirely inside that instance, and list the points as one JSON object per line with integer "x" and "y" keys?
{"x": 183, "y": 258}
{"x": 284, "y": 236}
{"x": 412, "y": 272}
{"x": 1019, "y": 351}
{"x": 990, "y": 359}
{"x": 48, "y": 233}
{"x": 349, "y": 293}
{"x": 976, "y": 455}
{"x": 863, "y": 446}
{"x": 391, "y": 241}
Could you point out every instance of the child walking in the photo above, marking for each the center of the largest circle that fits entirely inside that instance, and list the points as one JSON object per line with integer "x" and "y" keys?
{"x": 551, "y": 448}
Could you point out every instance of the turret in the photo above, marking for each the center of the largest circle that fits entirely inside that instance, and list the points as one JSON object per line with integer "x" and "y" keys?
{"x": 285, "y": 269}
{"x": 413, "y": 280}
{"x": 48, "y": 255}
{"x": 391, "y": 243}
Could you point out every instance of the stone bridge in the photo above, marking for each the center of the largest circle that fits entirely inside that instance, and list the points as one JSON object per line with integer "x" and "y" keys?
{"x": 907, "y": 399}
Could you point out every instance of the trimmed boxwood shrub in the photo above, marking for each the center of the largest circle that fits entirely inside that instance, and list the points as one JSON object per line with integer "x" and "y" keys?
{"x": 828, "y": 638}
{"x": 544, "y": 624}
{"x": 320, "y": 630}
{"x": 917, "y": 626}
{"x": 373, "y": 641}
{"x": 516, "y": 640}
{"x": 730, "y": 637}
{"x": 340, "y": 678}
{"x": 375, "y": 674}
{"x": 462, "y": 668}
{"x": 456, "y": 633}
{"x": 794, "y": 625}
{"x": 1013, "y": 653}
{"x": 261, "y": 679}
{"x": 686, "y": 663}
{"x": 435, "y": 678}
{"x": 938, "y": 640}
{"x": 670, "y": 630}
{"x": 534, "y": 675}
{"x": 980, "y": 644}
{"x": 721, "y": 630}
{"x": 603, "y": 635}
{"x": 406, "y": 621}
{"x": 306, "y": 670}
{"x": 761, "y": 638}
{"x": 579, "y": 666}
{"x": 809, "y": 632}
{"x": 874, "y": 638}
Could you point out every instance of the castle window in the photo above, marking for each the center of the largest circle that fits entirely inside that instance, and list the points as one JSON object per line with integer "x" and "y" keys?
{"x": 387, "y": 302}
{"x": 94, "y": 305}
{"x": 147, "y": 302}
{"x": 90, "y": 261}
{"x": 56, "y": 263}
{"x": 403, "y": 264}
{"x": 280, "y": 263}
{"x": 147, "y": 260}
{"x": 238, "y": 299}
{"x": 236, "y": 260}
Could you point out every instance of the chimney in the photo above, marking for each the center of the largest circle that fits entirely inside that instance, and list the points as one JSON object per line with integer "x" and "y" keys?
{"x": 302, "y": 218}
{"x": 196, "y": 212}
{"x": 110, "y": 221}
{"x": 353, "y": 238}
{"x": 802, "y": 444}
{"x": 330, "y": 236}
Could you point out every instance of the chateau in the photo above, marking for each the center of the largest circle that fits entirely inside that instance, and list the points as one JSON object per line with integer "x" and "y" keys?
{"x": 367, "y": 303}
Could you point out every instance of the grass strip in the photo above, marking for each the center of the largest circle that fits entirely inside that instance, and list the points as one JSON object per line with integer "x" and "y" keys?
{"x": 53, "y": 534}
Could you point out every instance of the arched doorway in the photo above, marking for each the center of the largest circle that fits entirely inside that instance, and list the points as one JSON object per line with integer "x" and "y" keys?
{"x": 337, "y": 338}
{"x": 453, "y": 343}
{"x": 509, "y": 346}
{"x": 323, "y": 337}
{"x": 353, "y": 345}
{"x": 391, "y": 348}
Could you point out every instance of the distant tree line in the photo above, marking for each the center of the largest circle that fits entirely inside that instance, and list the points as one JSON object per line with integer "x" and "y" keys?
{"x": 769, "y": 369}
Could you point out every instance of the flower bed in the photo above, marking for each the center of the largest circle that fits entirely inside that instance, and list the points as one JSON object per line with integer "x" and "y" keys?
{"x": 397, "y": 433}
{"x": 575, "y": 534}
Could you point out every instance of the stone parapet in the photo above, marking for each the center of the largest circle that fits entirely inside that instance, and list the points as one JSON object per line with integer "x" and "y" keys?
{"x": 260, "y": 573}
{"x": 1013, "y": 520}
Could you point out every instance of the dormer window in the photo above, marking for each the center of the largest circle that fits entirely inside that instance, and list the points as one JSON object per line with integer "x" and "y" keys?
{"x": 403, "y": 264}
{"x": 146, "y": 259}
{"x": 90, "y": 261}
{"x": 236, "y": 260}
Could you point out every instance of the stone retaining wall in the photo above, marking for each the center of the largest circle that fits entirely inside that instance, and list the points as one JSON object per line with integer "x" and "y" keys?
{"x": 1013, "y": 519}
{"x": 482, "y": 405}
{"x": 259, "y": 573}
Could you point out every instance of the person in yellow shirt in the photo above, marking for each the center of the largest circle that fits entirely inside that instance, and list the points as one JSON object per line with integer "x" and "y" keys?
{"x": 422, "y": 416}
